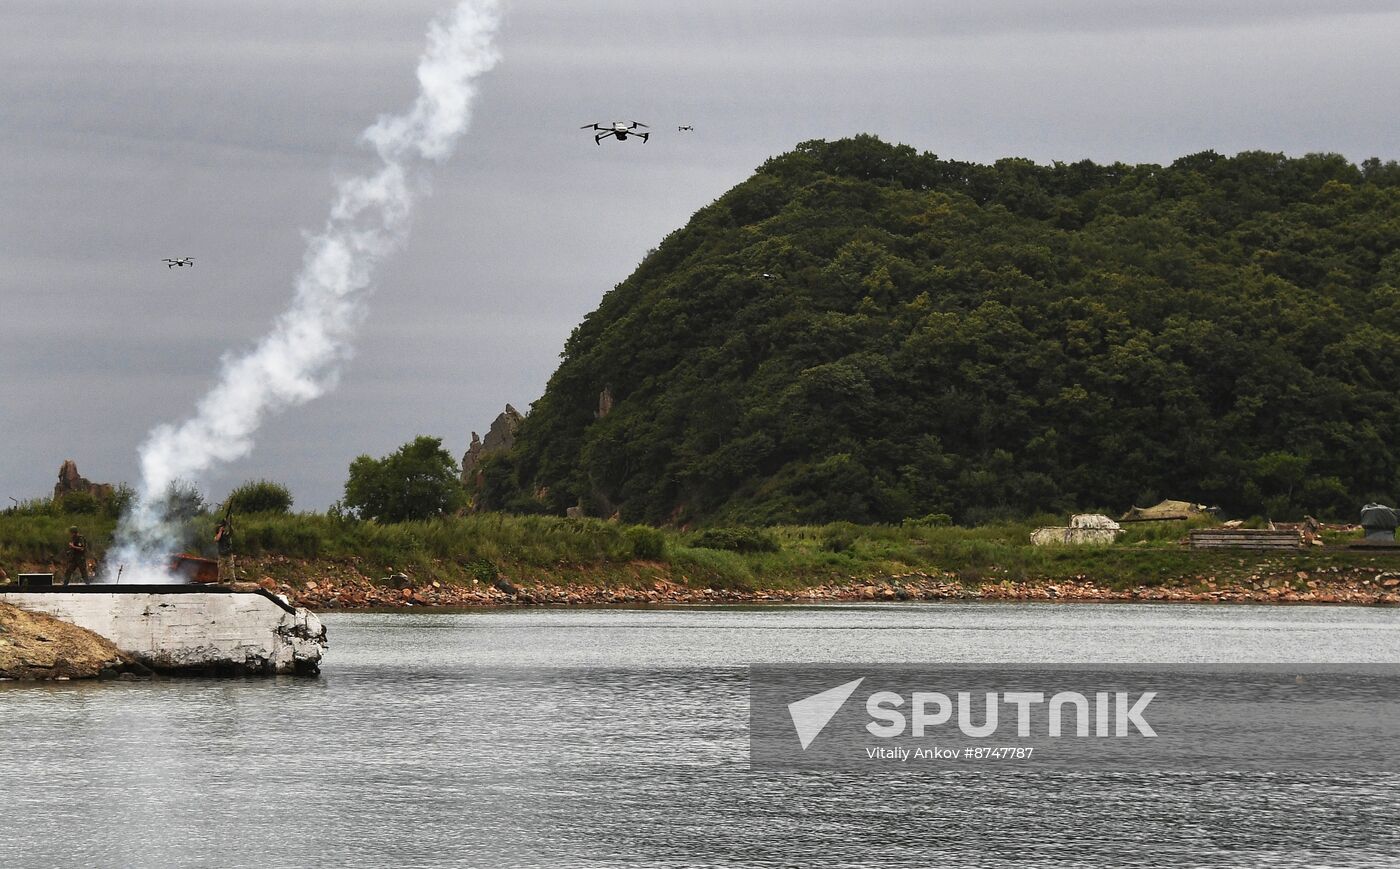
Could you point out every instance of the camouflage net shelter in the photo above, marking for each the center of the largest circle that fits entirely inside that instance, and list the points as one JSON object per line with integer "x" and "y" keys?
{"x": 1166, "y": 510}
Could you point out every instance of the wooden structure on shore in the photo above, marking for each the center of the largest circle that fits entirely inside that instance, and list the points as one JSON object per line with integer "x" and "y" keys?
{"x": 1245, "y": 538}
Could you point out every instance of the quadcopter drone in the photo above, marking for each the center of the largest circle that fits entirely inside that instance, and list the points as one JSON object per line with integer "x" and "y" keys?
{"x": 619, "y": 129}
{"x": 181, "y": 262}
{"x": 685, "y": 128}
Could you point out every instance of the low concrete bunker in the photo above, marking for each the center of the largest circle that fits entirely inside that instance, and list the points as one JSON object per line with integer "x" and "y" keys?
{"x": 189, "y": 628}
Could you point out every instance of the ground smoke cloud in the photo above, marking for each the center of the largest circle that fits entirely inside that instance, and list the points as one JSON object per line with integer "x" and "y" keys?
{"x": 299, "y": 358}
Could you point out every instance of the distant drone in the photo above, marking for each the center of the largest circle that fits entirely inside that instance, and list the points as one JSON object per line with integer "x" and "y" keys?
{"x": 620, "y": 129}
{"x": 685, "y": 128}
{"x": 181, "y": 262}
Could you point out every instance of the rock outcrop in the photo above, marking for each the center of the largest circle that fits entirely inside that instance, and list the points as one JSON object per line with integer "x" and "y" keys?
{"x": 70, "y": 482}
{"x": 499, "y": 439}
{"x": 37, "y": 646}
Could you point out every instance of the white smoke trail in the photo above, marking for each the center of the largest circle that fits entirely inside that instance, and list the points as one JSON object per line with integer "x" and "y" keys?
{"x": 299, "y": 359}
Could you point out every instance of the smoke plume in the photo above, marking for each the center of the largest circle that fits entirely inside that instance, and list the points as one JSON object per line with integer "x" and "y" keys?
{"x": 298, "y": 360}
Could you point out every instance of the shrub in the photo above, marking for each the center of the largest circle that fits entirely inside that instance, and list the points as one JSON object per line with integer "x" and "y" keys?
{"x": 932, "y": 520}
{"x": 183, "y": 501}
{"x": 839, "y": 539}
{"x": 79, "y": 503}
{"x": 648, "y": 544}
{"x": 524, "y": 505}
{"x": 34, "y": 507}
{"x": 736, "y": 540}
{"x": 121, "y": 499}
{"x": 260, "y": 496}
{"x": 484, "y": 571}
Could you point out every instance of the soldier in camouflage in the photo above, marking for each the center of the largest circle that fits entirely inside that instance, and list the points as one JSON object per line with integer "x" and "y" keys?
{"x": 223, "y": 539}
{"x": 77, "y": 555}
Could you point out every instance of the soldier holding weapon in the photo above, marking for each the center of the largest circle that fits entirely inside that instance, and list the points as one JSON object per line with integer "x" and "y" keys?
{"x": 223, "y": 540}
{"x": 77, "y": 555}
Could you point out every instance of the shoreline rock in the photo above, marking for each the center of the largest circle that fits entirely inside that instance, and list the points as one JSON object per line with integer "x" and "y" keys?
{"x": 329, "y": 594}
{"x": 38, "y": 647}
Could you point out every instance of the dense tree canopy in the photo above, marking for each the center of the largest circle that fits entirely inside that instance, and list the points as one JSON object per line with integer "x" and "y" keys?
{"x": 864, "y": 332}
{"x": 416, "y": 481}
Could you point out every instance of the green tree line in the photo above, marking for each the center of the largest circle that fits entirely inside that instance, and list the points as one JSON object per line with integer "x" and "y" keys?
{"x": 862, "y": 332}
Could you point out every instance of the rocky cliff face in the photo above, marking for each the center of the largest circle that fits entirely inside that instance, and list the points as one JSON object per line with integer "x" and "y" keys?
{"x": 499, "y": 439}
{"x": 70, "y": 482}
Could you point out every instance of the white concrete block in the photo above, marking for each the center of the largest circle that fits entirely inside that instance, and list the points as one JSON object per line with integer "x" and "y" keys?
{"x": 192, "y": 630}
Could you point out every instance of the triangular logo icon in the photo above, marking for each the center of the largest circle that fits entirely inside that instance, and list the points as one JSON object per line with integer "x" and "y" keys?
{"x": 811, "y": 714}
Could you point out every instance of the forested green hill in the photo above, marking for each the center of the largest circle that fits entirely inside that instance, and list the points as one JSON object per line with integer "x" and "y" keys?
{"x": 863, "y": 332}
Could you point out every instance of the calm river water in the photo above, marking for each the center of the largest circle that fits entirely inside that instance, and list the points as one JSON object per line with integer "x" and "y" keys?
{"x": 619, "y": 738}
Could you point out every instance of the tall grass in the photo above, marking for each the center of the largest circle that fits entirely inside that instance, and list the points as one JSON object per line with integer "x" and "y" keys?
{"x": 550, "y": 548}
{"x": 42, "y": 538}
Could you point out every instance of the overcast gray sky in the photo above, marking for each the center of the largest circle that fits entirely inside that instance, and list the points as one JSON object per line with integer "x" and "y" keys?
{"x": 144, "y": 129}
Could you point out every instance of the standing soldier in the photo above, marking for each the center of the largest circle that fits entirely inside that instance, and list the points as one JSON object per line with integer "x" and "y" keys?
{"x": 223, "y": 539}
{"x": 77, "y": 556}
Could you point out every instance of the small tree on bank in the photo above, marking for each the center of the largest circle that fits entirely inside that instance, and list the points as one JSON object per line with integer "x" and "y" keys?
{"x": 260, "y": 496}
{"x": 419, "y": 480}
{"x": 182, "y": 501}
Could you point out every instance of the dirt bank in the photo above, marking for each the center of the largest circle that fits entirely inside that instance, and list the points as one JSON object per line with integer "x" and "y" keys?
{"x": 34, "y": 646}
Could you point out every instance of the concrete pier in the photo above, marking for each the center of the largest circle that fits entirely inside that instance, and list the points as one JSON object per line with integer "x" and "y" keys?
{"x": 189, "y": 628}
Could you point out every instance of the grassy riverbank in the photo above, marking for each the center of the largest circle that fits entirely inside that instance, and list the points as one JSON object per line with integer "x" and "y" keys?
{"x": 548, "y": 551}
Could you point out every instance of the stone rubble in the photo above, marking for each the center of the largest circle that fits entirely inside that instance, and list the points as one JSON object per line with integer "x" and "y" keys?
{"x": 1360, "y": 586}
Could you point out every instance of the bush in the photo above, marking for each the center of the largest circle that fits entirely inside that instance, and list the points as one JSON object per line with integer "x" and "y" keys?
{"x": 260, "y": 496}
{"x": 80, "y": 503}
{"x": 524, "y": 505}
{"x": 736, "y": 540}
{"x": 182, "y": 501}
{"x": 484, "y": 571}
{"x": 121, "y": 499}
{"x": 839, "y": 539}
{"x": 932, "y": 520}
{"x": 648, "y": 544}
{"x": 34, "y": 507}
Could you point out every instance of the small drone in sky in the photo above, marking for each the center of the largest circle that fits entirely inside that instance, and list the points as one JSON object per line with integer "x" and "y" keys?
{"x": 181, "y": 262}
{"x": 685, "y": 128}
{"x": 620, "y": 129}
